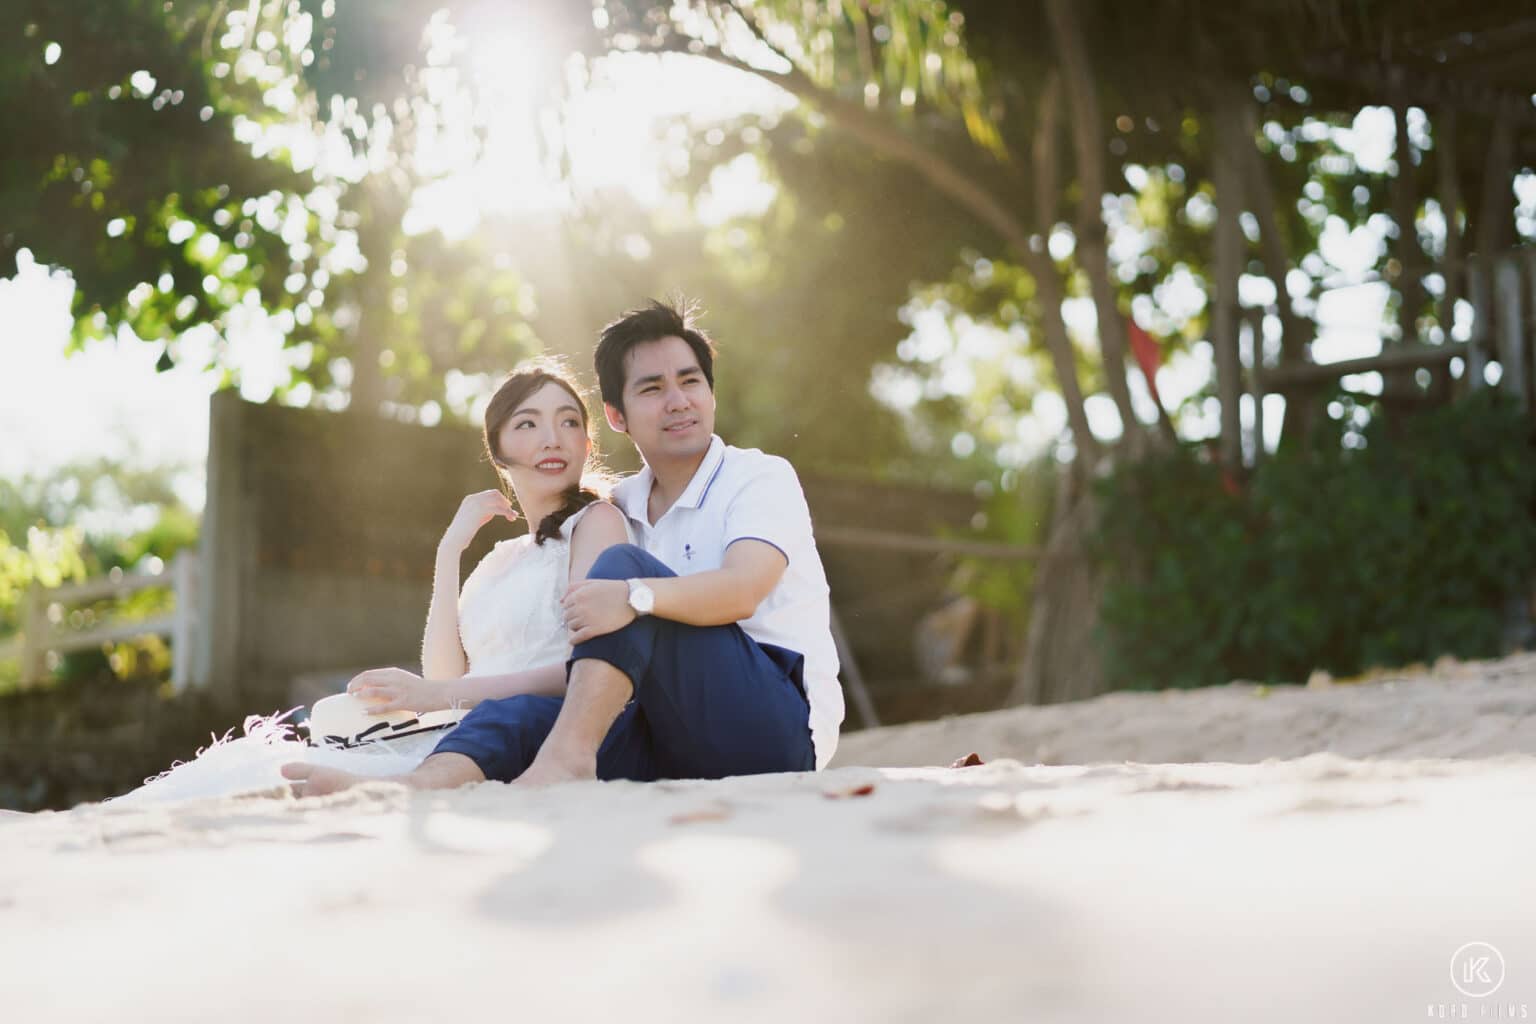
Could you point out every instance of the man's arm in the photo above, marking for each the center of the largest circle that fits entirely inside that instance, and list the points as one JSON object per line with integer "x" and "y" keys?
{"x": 747, "y": 574}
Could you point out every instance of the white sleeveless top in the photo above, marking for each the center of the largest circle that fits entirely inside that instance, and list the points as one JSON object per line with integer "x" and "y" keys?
{"x": 509, "y": 608}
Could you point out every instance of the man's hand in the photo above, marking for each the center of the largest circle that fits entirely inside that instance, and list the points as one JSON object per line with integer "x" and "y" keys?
{"x": 395, "y": 689}
{"x": 596, "y": 608}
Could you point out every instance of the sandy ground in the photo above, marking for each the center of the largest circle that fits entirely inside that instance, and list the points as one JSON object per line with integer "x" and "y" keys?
{"x": 1455, "y": 709}
{"x": 1309, "y": 887}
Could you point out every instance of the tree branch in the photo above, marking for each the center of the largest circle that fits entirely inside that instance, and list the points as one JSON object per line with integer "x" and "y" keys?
{"x": 1048, "y": 283}
{"x": 882, "y": 137}
{"x": 1087, "y": 125}
{"x": 757, "y": 31}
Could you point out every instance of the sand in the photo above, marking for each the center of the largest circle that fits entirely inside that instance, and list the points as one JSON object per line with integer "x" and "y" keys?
{"x": 1456, "y": 709}
{"x": 1297, "y": 886}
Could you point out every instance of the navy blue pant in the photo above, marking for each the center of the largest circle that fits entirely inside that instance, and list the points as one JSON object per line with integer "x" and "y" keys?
{"x": 709, "y": 701}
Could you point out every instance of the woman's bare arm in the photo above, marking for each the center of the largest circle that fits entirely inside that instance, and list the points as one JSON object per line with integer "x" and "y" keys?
{"x": 543, "y": 681}
{"x": 395, "y": 689}
{"x": 442, "y": 649}
{"x": 600, "y": 528}
{"x": 442, "y": 652}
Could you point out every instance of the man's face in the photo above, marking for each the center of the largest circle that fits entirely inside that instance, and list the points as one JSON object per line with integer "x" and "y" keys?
{"x": 669, "y": 408}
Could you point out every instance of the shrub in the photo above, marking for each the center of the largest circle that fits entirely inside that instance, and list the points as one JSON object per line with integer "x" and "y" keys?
{"x": 1408, "y": 545}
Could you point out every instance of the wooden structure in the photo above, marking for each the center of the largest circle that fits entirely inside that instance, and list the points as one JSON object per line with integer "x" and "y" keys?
{"x": 50, "y": 627}
{"x": 1501, "y": 350}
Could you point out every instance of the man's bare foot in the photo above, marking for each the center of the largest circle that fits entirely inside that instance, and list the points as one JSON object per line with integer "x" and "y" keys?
{"x": 550, "y": 770}
{"x": 317, "y": 780}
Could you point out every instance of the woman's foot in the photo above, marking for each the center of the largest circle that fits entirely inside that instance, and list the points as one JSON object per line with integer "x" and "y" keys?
{"x": 317, "y": 780}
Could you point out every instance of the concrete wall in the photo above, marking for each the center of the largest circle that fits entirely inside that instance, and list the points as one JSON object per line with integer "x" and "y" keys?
{"x": 320, "y": 528}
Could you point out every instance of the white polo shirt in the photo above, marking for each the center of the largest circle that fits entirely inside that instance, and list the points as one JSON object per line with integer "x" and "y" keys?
{"x": 744, "y": 494}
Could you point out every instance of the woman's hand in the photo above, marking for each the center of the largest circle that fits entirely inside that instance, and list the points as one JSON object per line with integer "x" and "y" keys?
{"x": 474, "y": 512}
{"x": 395, "y": 689}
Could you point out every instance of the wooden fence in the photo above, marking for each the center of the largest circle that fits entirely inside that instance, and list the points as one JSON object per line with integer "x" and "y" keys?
{"x": 50, "y": 626}
{"x": 1502, "y": 291}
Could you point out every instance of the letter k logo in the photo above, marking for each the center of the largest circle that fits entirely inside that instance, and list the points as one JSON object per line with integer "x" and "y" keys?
{"x": 1477, "y": 969}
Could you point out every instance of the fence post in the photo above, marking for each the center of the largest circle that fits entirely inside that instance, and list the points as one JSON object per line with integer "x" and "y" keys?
{"x": 1255, "y": 319}
{"x": 1506, "y": 286}
{"x": 1478, "y": 288}
{"x": 853, "y": 679}
{"x": 184, "y": 579}
{"x": 1528, "y": 325}
{"x": 34, "y": 639}
{"x": 226, "y": 556}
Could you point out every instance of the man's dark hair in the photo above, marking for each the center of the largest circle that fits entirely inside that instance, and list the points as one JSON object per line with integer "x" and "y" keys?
{"x": 649, "y": 323}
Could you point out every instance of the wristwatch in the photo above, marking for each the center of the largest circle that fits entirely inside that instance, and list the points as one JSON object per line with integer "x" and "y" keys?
{"x": 641, "y": 597}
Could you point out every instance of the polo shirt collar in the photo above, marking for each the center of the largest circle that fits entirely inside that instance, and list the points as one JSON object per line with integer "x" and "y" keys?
{"x": 636, "y": 495}
{"x": 698, "y": 487}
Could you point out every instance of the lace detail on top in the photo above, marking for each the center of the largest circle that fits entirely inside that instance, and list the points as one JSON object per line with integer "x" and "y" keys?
{"x": 509, "y": 608}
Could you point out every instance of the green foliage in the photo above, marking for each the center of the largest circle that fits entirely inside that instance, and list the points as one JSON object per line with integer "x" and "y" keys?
{"x": 120, "y": 161}
{"x": 151, "y": 151}
{"x": 43, "y": 557}
{"x": 135, "y": 520}
{"x": 1404, "y": 547}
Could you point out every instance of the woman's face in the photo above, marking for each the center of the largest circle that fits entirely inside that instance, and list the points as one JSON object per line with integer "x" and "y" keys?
{"x": 543, "y": 444}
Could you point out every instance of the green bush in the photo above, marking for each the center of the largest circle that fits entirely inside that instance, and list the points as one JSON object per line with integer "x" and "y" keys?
{"x": 1380, "y": 547}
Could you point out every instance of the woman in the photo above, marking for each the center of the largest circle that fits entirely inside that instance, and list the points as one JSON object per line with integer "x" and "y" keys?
{"x": 505, "y": 621}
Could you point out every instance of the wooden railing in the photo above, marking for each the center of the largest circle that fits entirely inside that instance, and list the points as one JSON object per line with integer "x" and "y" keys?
{"x": 867, "y": 539}
{"x": 1502, "y": 292}
{"x": 48, "y": 626}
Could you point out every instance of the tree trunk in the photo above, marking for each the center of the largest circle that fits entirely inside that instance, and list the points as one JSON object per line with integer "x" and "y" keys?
{"x": 1409, "y": 253}
{"x": 1049, "y": 289}
{"x": 1087, "y": 125}
{"x": 1453, "y": 266}
{"x": 1399, "y": 393}
{"x": 1227, "y": 264}
{"x": 1055, "y": 641}
{"x": 1495, "y": 228}
{"x": 1490, "y": 221}
{"x": 1061, "y": 658}
{"x": 1294, "y": 329}
{"x": 378, "y": 229}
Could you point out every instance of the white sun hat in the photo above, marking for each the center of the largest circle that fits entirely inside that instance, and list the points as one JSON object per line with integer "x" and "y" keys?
{"x": 342, "y": 720}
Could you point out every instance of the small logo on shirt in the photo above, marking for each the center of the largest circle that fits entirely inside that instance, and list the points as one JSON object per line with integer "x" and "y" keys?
{"x": 688, "y": 552}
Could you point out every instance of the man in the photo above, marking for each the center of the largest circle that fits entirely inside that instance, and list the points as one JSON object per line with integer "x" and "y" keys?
{"x": 704, "y": 652}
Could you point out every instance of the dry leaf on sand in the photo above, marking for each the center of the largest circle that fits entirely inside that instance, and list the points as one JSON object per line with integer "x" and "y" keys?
{"x": 712, "y": 812}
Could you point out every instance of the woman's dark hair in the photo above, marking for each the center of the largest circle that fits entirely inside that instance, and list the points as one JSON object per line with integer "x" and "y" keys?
{"x": 649, "y": 323}
{"x": 508, "y": 398}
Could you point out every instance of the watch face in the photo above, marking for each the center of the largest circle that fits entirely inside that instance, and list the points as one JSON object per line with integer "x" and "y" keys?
{"x": 641, "y": 597}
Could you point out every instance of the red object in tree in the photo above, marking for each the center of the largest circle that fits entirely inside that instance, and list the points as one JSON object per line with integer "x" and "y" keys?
{"x": 1149, "y": 355}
